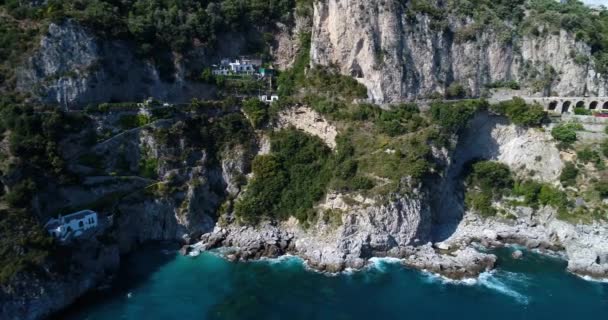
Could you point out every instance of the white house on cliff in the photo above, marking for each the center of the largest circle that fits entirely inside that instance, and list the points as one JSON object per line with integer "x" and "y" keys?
{"x": 72, "y": 225}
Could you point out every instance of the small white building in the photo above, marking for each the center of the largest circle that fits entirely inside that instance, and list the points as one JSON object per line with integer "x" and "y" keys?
{"x": 268, "y": 98}
{"x": 72, "y": 225}
{"x": 242, "y": 66}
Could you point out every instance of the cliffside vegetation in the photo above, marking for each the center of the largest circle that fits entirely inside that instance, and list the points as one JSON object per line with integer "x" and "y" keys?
{"x": 158, "y": 28}
{"x": 40, "y": 148}
{"x": 154, "y": 24}
{"x": 492, "y": 188}
{"x": 30, "y": 158}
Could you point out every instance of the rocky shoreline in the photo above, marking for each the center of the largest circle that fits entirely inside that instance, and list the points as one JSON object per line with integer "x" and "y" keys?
{"x": 458, "y": 257}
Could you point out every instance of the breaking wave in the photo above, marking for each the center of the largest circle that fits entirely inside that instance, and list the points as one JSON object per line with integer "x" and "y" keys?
{"x": 499, "y": 282}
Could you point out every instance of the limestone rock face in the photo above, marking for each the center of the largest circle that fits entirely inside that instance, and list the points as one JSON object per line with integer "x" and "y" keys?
{"x": 73, "y": 68}
{"x": 358, "y": 232}
{"x": 399, "y": 57}
{"x": 309, "y": 121}
{"x": 529, "y": 152}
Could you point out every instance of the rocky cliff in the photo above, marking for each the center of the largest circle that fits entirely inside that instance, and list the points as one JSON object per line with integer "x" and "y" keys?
{"x": 34, "y": 295}
{"x": 401, "y": 54}
{"x": 73, "y": 68}
{"x": 430, "y": 227}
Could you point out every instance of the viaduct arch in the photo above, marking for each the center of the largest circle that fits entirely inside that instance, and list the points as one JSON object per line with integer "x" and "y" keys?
{"x": 561, "y": 105}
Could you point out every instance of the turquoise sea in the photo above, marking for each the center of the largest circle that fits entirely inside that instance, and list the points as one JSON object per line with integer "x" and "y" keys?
{"x": 160, "y": 284}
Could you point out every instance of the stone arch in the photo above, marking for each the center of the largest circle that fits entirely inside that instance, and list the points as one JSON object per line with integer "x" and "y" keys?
{"x": 580, "y": 104}
{"x": 552, "y": 105}
{"x": 605, "y": 105}
{"x": 593, "y": 105}
{"x": 566, "y": 106}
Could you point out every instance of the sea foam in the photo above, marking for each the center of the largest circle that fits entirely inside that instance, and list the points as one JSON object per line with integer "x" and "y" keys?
{"x": 491, "y": 281}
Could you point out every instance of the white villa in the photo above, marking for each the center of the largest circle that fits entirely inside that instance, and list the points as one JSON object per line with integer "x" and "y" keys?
{"x": 238, "y": 66}
{"x": 72, "y": 225}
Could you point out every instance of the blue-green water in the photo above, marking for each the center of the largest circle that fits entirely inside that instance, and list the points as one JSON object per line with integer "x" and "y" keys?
{"x": 157, "y": 285}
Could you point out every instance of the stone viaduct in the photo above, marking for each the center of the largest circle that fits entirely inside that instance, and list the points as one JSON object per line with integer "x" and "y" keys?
{"x": 561, "y": 105}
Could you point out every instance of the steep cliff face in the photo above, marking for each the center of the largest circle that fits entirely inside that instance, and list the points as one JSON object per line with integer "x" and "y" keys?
{"x": 529, "y": 152}
{"x": 73, "y": 68}
{"x": 36, "y": 295}
{"x": 350, "y": 233}
{"x": 158, "y": 182}
{"x": 399, "y": 56}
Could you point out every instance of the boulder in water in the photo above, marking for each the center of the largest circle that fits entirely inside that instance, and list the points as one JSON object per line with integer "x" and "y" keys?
{"x": 517, "y": 254}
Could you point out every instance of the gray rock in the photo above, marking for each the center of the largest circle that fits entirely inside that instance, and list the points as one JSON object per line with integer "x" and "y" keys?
{"x": 72, "y": 68}
{"x": 417, "y": 60}
{"x": 517, "y": 254}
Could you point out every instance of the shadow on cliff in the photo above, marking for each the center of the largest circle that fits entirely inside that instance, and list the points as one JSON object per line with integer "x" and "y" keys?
{"x": 476, "y": 142}
{"x": 135, "y": 269}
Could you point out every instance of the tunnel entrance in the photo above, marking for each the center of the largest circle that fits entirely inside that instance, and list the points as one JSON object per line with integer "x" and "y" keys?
{"x": 605, "y": 106}
{"x": 552, "y": 105}
{"x": 593, "y": 105}
{"x": 580, "y": 104}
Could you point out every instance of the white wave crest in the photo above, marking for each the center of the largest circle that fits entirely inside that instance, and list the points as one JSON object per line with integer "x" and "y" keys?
{"x": 592, "y": 279}
{"x": 491, "y": 281}
{"x": 381, "y": 264}
{"x": 430, "y": 277}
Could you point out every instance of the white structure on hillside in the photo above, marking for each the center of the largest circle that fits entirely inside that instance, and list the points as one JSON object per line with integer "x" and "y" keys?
{"x": 72, "y": 225}
{"x": 268, "y": 98}
{"x": 238, "y": 66}
{"x": 242, "y": 66}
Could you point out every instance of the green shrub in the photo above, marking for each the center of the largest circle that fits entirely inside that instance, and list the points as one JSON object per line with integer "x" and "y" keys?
{"x": 21, "y": 194}
{"x": 491, "y": 175}
{"x": 455, "y": 91}
{"x": 529, "y": 190}
{"x": 521, "y": 113}
{"x": 569, "y": 174}
{"x": 148, "y": 168}
{"x": 487, "y": 181}
{"x": 604, "y": 147}
{"x": 549, "y": 195}
{"x": 452, "y": 117}
{"x": 24, "y": 245}
{"x": 582, "y": 112}
{"x": 587, "y": 155}
{"x": 481, "y": 202}
{"x": 288, "y": 81}
{"x": 131, "y": 121}
{"x": 289, "y": 181}
{"x": 256, "y": 111}
{"x": 511, "y": 84}
{"x": 207, "y": 76}
{"x": 602, "y": 188}
{"x": 400, "y": 120}
{"x": 540, "y": 194}
{"x": 566, "y": 133}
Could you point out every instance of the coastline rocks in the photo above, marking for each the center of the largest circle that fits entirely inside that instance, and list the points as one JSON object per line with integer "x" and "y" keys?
{"x": 585, "y": 247}
{"x": 460, "y": 264}
{"x": 242, "y": 243}
{"x": 246, "y": 243}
